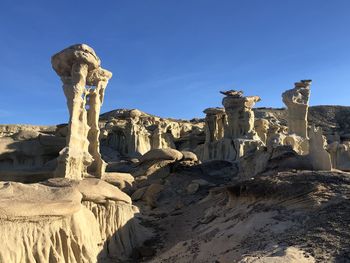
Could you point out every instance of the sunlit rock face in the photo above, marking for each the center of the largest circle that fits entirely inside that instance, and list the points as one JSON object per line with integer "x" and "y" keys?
{"x": 240, "y": 116}
{"x": 319, "y": 156}
{"x": 115, "y": 215}
{"x": 62, "y": 220}
{"x": 261, "y": 127}
{"x": 84, "y": 83}
{"x": 297, "y": 102}
{"x": 230, "y": 132}
{"x": 215, "y": 120}
{"x": 340, "y": 155}
{"x": 132, "y": 133}
{"x": 41, "y": 223}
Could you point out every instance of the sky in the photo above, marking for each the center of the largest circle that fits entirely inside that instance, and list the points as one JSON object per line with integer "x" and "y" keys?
{"x": 172, "y": 57}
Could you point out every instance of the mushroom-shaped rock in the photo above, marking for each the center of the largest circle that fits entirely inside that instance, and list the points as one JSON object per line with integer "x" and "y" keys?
{"x": 99, "y": 191}
{"x": 161, "y": 154}
{"x": 63, "y": 61}
{"x": 96, "y": 75}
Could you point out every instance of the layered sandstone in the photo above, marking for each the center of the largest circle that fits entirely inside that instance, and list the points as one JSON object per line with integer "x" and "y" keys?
{"x": 50, "y": 225}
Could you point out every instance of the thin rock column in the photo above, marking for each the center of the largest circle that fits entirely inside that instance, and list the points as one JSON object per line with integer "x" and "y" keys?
{"x": 98, "y": 78}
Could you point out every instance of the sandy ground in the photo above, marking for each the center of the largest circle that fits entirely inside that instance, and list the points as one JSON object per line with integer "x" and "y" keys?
{"x": 286, "y": 217}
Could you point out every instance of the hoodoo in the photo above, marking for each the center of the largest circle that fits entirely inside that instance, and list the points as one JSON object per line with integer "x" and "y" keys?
{"x": 84, "y": 84}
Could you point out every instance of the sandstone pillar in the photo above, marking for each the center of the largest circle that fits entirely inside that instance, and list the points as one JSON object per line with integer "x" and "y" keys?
{"x": 262, "y": 127}
{"x": 99, "y": 79}
{"x": 240, "y": 116}
{"x": 78, "y": 66}
{"x": 214, "y": 124}
{"x": 320, "y": 158}
{"x": 297, "y": 102}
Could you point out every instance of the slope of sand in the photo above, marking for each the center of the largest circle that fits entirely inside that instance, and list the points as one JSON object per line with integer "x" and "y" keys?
{"x": 279, "y": 217}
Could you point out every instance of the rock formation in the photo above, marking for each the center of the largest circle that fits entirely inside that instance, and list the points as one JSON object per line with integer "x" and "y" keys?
{"x": 215, "y": 120}
{"x": 49, "y": 225}
{"x": 138, "y": 136}
{"x": 132, "y": 133}
{"x": 99, "y": 80}
{"x": 340, "y": 155}
{"x": 230, "y": 187}
{"x": 79, "y": 67}
{"x": 320, "y": 158}
{"x": 261, "y": 127}
{"x": 62, "y": 220}
{"x": 240, "y": 116}
{"x": 239, "y": 136}
{"x": 297, "y": 102}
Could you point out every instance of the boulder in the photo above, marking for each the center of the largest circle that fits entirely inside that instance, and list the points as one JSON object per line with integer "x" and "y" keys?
{"x": 189, "y": 156}
{"x": 123, "y": 181}
{"x": 162, "y": 154}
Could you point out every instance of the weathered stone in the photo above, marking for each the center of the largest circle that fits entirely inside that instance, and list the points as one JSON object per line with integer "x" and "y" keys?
{"x": 189, "y": 156}
{"x": 99, "y": 191}
{"x": 298, "y": 143}
{"x": 162, "y": 154}
{"x": 238, "y": 123}
{"x": 78, "y": 66}
{"x": 261, "y": 127}
{"x": 340, "y": 155}
{"x": 123, "y": 181}
{"x": 215, "y": 120}
{"x": 240, "y": 117}
{"x": 297, "y": 101}
{"x": 320, "y": 158}
{"x": 133, "y": 133}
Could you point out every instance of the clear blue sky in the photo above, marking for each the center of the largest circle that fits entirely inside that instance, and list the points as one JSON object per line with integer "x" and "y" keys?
{"x": 171, "y": 57}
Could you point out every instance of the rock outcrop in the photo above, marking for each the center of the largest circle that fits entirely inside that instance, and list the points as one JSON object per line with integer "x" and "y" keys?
{"x": 238, "y": 135}
{"x": 297, "y": 102}
{"x": 215, "y": 121}
{"x": 240, "y": 116}
{"x": 319, "y": 156}
{"x": 261, "y": 127}
{"x": 132, "y": 133}
{"x": 49, "y": 225}
{"x": 340, "y": 155}
{"x": 78, "y": 67}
